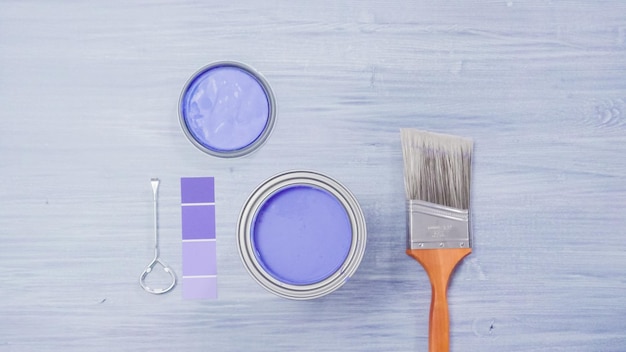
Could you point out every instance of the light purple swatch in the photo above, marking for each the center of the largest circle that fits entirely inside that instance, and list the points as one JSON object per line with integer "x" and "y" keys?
{"x": 199, "y": 237}
{"x": 200, "y": 287}
{"x": 199, "y": 258}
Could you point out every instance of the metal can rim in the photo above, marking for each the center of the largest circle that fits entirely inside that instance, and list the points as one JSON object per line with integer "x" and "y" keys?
{"x": 264, "y": 191}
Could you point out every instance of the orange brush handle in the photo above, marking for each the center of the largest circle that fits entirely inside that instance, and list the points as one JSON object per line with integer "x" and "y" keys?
{"x": 439, "y": 265}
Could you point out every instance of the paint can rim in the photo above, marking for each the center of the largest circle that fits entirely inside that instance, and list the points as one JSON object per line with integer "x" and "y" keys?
{"x": 272, "y": 186}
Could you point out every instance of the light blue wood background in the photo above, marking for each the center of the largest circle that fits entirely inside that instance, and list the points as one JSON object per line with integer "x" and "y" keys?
{"x": 88, "y": 105}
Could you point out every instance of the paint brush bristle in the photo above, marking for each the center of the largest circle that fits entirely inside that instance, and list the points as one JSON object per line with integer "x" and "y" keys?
{"x": 437, "y": 167}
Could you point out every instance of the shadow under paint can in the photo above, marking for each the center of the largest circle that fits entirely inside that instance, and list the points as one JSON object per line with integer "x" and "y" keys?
{"x": 301, "y": 235}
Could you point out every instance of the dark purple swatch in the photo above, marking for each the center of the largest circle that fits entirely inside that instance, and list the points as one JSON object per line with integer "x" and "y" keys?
{"x": 197, "y": 190}
{"x": 198, "y": 222}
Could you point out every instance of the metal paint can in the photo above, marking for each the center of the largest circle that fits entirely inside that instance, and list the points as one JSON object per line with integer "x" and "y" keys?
{"x": 301, "y": 235}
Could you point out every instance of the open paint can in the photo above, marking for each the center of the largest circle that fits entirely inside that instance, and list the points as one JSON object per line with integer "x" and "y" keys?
{"x": 301, "y": 235}
{"x": 227, "y": 109}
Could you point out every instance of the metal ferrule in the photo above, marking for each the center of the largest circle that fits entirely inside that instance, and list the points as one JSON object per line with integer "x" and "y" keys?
{"x": 432, "y": 225}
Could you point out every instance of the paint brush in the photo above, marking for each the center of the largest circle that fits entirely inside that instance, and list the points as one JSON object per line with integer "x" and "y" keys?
{"x": 437, "y": 173}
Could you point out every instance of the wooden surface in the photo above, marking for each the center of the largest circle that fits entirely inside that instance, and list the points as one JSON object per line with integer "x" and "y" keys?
{"x": 88, "y": 105}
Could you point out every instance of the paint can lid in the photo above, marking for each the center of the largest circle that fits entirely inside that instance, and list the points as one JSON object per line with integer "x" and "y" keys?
{"x": 301, "y": 235}
{"x": 227, "y": 109}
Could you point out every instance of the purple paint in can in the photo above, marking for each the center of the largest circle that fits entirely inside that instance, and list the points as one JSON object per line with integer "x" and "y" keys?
{"x": 301, "y": 235}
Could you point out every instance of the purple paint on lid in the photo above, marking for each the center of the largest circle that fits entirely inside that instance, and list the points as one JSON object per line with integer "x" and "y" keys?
{"x": 227, "y": 109}
{"x": 301, "y": 235}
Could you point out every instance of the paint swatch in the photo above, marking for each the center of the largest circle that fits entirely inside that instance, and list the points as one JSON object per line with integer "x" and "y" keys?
{"x": 199, "y": 237}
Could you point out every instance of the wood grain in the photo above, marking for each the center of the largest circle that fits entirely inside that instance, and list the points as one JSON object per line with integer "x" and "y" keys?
{"x": 88, "y": 106}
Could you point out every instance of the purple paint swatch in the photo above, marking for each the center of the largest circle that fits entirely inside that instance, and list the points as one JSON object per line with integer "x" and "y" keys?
{"x": 197, "y": 190}
{"x": 301, "y": 235}
{"x": 198, "y": 221}
{"x": 199, "y": 258}
{"x": 199, "y": 237}
{"x": 200, "y": 287}
{"x": 225, "y": 108}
